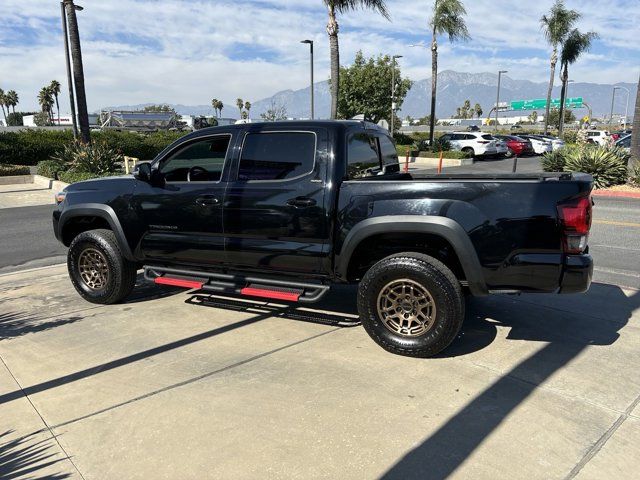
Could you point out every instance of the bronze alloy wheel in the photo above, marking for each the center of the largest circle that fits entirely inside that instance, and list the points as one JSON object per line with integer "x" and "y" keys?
{"x": 93, "y": 269}
{"x": 406, "y": 308}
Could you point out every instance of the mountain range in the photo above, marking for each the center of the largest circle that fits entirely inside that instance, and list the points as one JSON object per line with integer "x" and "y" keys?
{"x": 453, "y": 89}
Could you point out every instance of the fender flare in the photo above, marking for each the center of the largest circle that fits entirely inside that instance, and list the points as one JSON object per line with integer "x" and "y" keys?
{"x": 97, "y": 210}
{"x": 444, "y": 227}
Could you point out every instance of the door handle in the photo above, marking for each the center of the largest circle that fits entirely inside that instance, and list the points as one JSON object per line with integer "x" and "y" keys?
{"x": 206, "y": 200}
{"x": 301, "y": 202}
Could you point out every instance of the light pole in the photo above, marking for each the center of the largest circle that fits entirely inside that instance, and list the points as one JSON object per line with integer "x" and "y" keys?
{"x": 613, "y": 98}
{"x": 626, "y": 108}
{"x": 500, "y": 72}
{"x": 310, "y": 42}
{"x": 393, "y": 90}
{"x": 72, "y": 101}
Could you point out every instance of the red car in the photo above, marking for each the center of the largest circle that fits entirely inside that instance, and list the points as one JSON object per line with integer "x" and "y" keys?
{"x": 516, "y": 145}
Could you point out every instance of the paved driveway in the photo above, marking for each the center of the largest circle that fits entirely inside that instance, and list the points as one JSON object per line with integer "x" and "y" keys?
{"x": 177, "y": 384}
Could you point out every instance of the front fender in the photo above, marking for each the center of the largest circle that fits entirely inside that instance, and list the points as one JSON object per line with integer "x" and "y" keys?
{"x": 101, "y": 211}
{"x": 444, "y": 227}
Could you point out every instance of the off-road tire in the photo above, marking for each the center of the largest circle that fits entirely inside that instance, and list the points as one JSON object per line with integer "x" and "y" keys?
{"x": 121, "y": 273}
{"x": 433, "y": 276}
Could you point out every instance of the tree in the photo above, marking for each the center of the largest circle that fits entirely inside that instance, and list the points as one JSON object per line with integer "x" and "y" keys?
{"x": 448, "y": 18}
{"x": 54, "y": 88}
{"x": 220, "y": 106}
{"x": 240, "y": 105}
{"x": 214, "y": 105}
{"x": 554, "y": 117}
{"x": 247, "y": 107}
{"x": 574, "y": 45}
{"x": 477, "y": 109}
{"x": 533, "y": 117}
{"x": 12, "y": 100}
{"x": 556, "y": 27}
{"x": 635, "y": 133}
{"x": 365, "y": 88}
{"x": 274, "y": 113}
{"x": 2, "y": 97}
{"x": 78, "y": 70}
{"x": 335, "y": 7}
{"x": 159, "y": 108}
{"x": 45, "y": 100}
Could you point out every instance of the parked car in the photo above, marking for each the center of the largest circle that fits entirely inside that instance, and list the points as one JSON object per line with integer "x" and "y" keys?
{"x": 475, "y": 144}
{"x": 624, "y": 142}
{"x": 501, "y": 148}
{"x": 516, "y": 145}
{"x": 599, "y": 137}
{"x": 556, "y": 143}
{"x": 262, "y": 210}
{"x": 473, "y": 128}
{"x": 516, "y": 128}
{"x": 540, "y": 145}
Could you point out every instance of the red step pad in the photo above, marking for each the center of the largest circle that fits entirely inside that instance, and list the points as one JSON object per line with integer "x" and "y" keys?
{"x": 178, "y": 282}
{"x": 273, "y": 294}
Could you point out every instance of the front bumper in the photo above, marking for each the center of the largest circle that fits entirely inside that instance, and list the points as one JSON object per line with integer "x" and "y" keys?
{"x": 577, "y": 274}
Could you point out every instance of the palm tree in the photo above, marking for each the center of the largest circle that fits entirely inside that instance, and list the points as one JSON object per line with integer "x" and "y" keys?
{"x": 247, "y": 107}
{"x": 2, "y": 97}
{"x": 54, "y": 87}
{"x": 448, "y": 18}
{"x": 240, "y": 105}
{"x": 220, "y": 106}
{"x": 341, "y": 6}
{"x": 78, "y": 70}
{"x": 477, "y": 109}
{"x": 45, "y": 101}
{"x": 575, "y": 44}
{"x": 635, "y": 133}
{"x": 214, "y": 104}
{"x": 13, "y": 99}
{"x": 556, "y": 27}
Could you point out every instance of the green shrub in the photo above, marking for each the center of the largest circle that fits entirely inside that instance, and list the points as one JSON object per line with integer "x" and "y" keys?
{"x": 402, "y": 139}
{"x": 554, "y": 161}
{"x": 634, "y": 175}
{"x": 51, "y": 168}
{"x": 95, "y": 157}
{"x": 14, "y": 119}
{"x": 441, "y": 145}
{"x": 10, "y": 170}
{"x": 30, "y": 146}
{"x": 455, "y": 154}
{"x": 73, "y": 176}
{"x": 603, "y": 164}
{"x": 570, "y": 136}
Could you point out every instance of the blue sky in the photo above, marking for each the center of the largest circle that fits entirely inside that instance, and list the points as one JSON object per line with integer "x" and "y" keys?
{"x": 188, "y": 52}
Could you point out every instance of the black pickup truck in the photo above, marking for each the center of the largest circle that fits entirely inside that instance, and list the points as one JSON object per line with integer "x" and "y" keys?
{"x": 285, "y": 210}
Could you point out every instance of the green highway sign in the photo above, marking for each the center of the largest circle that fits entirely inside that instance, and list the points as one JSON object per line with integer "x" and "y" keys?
{"x": 538, "y": 104}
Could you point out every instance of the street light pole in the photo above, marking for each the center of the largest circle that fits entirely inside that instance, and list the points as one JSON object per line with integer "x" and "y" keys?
{"x": 72, "y": 101}
{"x": 500, "y": 72}
{"x": 310, "y": 42}
{"x": 393, "y": 90}
{"x": 613, "y": 97}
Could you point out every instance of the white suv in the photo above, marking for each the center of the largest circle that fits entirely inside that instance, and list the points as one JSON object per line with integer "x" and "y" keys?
{"x": 474, "y": 143}
{"x": 600, "y": 137}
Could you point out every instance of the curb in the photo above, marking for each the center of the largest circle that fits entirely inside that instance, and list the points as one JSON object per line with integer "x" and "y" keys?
{"x": 615, "y": 193}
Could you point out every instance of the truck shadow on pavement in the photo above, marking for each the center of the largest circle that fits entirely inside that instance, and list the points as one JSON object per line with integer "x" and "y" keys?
{"x": 23, "y": 457}
{"x": 568, "y": 325}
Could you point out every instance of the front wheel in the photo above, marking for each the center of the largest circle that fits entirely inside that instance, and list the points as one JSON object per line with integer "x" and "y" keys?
{"x": 411, "y": 304}
{"x": 97, "y": 268}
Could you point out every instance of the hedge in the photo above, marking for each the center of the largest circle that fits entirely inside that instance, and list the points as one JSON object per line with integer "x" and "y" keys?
{"x": 28, "y": 147}
{"x": 10, "y": 170}
{"x": 72, "y": 176}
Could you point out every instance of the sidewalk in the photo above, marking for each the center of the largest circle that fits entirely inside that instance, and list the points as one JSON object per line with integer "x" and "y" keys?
{"x": 182, "y": 385}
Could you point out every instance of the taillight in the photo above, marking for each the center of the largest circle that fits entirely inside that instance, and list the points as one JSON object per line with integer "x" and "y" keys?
{"x": 575, "y": 222}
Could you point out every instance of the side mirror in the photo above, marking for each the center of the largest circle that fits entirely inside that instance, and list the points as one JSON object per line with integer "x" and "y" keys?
{"x": 142, "y": 172}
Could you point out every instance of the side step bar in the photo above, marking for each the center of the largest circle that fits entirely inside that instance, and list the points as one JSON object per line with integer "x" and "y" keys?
{"x": 290, "y": 291}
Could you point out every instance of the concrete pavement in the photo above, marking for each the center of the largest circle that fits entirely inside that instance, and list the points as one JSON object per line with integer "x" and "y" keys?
{"x": 183, "y": 385}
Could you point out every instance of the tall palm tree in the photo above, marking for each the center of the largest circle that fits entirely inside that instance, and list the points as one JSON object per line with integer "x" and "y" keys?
{"x": 334, "y": 7}
{"x": 2, "y": 97}
{"x": 220, "y": 106}
{"x": 13, "y": 98}
{"x": 45, "y": 101}
{"x": 635, "y": 133}
{"x": 78, "y": 70}
{"x": 214, "y": 104}
{"x": 448, "y": 18}
{"x": 54, "y": 87}
{"x": 556, "y": 27}
{"x": 240, "y": 105}
{"x": 247, "y": 107}
{"x": 574, "y": 45}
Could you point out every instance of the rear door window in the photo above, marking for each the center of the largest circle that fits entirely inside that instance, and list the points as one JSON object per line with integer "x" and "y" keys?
{"x": 363, "y": 157}
{"x": 389, "y": 155}
{"x": 277, "y": 155}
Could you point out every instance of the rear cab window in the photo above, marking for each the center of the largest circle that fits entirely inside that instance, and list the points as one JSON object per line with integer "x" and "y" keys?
{"x": 371, "y": 154}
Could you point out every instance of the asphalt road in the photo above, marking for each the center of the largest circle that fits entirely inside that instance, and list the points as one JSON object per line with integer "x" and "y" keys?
{"x": 26, "y": 239}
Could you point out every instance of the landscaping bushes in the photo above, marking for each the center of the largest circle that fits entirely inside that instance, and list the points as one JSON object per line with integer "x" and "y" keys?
{"x": 51, "y": 168}
{"x": 10, "y": 170}
{"x": 29, "y": 146}
{"x": 95, "y": 157}
{"x": 554, "y": 161}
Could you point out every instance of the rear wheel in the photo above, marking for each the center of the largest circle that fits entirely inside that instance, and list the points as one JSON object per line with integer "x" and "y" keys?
{"x": 97, "y": 268}
{"x": 411, "y": 304}
{"x": 469, "y": 151}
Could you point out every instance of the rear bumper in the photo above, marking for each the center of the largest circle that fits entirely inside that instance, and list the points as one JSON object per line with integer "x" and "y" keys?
{"x": 577, "y": 274}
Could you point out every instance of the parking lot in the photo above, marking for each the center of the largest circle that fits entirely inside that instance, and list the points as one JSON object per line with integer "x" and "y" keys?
{"x": 181, "y": 384}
